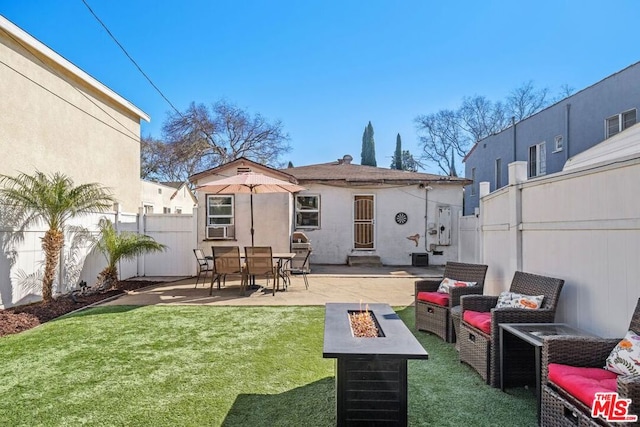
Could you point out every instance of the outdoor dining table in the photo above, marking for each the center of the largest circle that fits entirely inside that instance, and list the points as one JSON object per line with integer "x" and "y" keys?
{"x": 282, "y": 259}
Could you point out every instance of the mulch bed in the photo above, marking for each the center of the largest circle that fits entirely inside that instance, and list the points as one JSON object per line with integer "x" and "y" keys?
{"x": 21, "y": 318}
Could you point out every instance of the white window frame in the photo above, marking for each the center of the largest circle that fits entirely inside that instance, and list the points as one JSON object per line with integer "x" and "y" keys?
{"x": 620, "y": 119}
{"x": 210, "y": 218}
{"x": 301, "y": 211}
{"x": 498, "y": 177}
{"x": 148, "y": 208}
{"x": 537, "y": 166}
{"x": 558, "y": 143}
{"x": 473, "y": 184}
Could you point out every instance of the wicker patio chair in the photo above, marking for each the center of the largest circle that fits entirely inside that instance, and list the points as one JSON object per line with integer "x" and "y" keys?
{"x": 259, "y": 262}
{"x": 226, "y": 260}
{"x": 204, "y": 266}
{"x": 435, "y": 318}
{"x": 481, "y": 350}
{"x": 560, "y": 408}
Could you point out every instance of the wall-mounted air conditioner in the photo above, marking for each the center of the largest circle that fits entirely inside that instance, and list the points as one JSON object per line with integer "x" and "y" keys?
{"x": 217, "y": 232}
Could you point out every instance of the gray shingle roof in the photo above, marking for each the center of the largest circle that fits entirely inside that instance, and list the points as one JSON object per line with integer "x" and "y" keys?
{"x": 339, "y": 172}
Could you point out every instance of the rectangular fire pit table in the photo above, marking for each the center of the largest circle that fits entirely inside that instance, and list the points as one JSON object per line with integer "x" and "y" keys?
{"x": 371, "y": 373}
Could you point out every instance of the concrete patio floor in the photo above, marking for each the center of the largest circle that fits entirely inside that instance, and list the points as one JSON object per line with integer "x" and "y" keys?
{"x": 327, "y": 283}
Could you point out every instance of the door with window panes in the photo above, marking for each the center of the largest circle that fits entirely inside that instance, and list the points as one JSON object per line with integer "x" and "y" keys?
{"x": 363, "y": 222}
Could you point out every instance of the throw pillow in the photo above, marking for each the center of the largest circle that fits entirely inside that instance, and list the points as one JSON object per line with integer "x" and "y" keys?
{"x": 625, "y": 357}
{"x": 447, "y": 284}
{"x": 514, "y": 300}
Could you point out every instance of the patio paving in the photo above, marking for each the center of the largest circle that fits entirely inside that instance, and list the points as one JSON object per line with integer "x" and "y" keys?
{"x": 327, "y": 283}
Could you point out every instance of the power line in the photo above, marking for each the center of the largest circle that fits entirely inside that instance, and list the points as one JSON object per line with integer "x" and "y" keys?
{"x": 130, "y": 58}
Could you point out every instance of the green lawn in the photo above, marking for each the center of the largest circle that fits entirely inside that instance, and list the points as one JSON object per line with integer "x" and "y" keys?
{"x": 230, "y": 366}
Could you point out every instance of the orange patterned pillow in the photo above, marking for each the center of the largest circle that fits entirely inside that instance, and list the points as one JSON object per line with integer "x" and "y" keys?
{"x": 514, "y": 300}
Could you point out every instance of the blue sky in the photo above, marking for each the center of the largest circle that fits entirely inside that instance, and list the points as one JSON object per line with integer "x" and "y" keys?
{"x": 326, "y": 68}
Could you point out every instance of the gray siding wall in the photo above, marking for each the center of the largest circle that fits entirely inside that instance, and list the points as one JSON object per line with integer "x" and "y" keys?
{"x": 581, "y": 126}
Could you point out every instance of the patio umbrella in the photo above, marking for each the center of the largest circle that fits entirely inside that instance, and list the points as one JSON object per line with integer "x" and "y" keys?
{"x": 252, "y": 183}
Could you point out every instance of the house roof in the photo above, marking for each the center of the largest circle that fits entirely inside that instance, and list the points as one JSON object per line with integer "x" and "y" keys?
{"x": 243, "y": 163}
{"x": 39, "y": 49}
{"x": 174, "y": 184}
{"x": 343, "y": 172}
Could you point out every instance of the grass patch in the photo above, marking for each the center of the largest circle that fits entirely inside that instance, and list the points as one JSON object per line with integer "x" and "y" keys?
{"x": 230, "y": 366}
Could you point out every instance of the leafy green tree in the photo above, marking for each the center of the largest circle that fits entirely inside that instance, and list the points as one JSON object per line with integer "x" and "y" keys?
{"x": 368, "y": 154}
{"x": 290, "y": 165}
{"x": 121, "y": 246}
{"x": 52, "y": 200}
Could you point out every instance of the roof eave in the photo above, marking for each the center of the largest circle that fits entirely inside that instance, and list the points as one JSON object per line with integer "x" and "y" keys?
{"x": 28, "y": 40}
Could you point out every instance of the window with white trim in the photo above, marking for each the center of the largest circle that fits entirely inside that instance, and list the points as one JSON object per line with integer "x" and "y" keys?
{"x": 537, "y": 160}
{"x": 220, "y": 210}
{"x": 559, "y": 143}
{"x": 619, "y": 122}
{"x": 307, "y": 211}
{"x": 498, "y": 173}
{"x": 473, "y": 184}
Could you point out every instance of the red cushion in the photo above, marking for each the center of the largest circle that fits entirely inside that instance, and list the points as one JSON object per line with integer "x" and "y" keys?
{"x": 478, "y": 319}
{"x": 583, "y": 383}
{"x": 439, "y": 298}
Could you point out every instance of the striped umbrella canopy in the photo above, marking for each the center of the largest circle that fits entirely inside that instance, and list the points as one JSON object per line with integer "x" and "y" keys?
{"x": 251, "y": 183}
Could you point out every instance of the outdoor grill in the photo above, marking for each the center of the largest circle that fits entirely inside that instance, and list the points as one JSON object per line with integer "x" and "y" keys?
{"x": 300, "y": 245}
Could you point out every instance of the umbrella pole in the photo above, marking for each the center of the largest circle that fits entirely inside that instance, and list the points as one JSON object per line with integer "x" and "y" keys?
{"x": 251, "y": 200}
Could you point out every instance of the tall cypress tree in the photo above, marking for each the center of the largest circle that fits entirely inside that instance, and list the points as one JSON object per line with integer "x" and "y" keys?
{"x": 368, "y": 147}
{"x": 397, "y": 157}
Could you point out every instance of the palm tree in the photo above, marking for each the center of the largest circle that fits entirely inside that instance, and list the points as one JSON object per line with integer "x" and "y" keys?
{"x": 121, "y": 246}
{"x": 52, "y": 200}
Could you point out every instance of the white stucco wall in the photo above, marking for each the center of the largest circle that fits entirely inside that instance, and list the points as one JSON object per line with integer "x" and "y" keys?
{"x": 332, "y": 243}
{"x": 272, "y": 220}
{"x": 53, "y": 121}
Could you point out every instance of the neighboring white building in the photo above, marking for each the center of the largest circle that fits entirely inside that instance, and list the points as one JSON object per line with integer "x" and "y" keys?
{"x": 395, "y": 216}
{"x": 167, "y": 198}
{"x": 54, "y": 117}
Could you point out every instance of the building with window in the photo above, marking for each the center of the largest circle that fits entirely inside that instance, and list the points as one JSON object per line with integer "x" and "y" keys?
{"x": 167, "y": 198}
{"x": 225, "y": 219}
{"x": 350, "y": 210}
{"x": 346, "y": 210}
{"x": 550, "y": 137}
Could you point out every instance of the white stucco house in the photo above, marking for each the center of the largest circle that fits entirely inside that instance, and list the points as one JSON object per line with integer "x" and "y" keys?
{"x": 225, "y": 219}
{"x": 398, "y": 217}
{"x": 346, "y": 210}
{"x": 54, "y": 117}
{"x": 167, "y": 198}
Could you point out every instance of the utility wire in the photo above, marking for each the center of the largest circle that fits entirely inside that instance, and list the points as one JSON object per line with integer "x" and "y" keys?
{"x": 130, "y": 58}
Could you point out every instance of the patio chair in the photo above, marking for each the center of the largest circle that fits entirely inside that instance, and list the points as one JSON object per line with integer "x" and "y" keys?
{"x": 226, "y": 260}
{"x": 204, "y": 265}
{"x": 567, "y": 361}
{"x": 259, "y": 262}
{"x": 479, "y": 339}
{"x": 433, "y": 308}
{"x": 298, "y": 269}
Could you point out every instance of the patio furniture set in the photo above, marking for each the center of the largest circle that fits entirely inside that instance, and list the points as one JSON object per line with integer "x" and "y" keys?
{"x": 258, "y": 261}
{"x": 512, "y": 340}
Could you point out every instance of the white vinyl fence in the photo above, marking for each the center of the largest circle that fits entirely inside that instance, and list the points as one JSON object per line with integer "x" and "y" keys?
{"x": 22, "y": 259}
{"x": 582, "y": 226}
